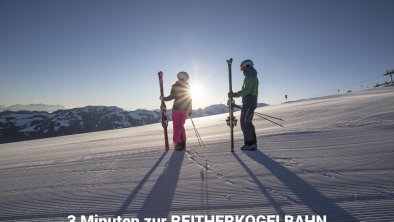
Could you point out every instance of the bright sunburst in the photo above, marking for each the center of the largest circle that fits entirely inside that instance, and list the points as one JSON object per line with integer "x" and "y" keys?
{"x": 196, "y": 91}
{"x": 200, "y": 85}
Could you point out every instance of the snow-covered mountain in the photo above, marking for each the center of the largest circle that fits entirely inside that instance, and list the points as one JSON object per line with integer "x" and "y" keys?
{"x": 25, "y": 125}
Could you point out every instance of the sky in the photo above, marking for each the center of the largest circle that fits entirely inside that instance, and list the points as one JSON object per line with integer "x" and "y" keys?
{"x": 93, "y": 52}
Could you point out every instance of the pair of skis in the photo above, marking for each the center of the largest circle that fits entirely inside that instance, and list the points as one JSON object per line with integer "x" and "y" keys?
{"x": 231, "y": 120}
{"x": 163, "y": 109}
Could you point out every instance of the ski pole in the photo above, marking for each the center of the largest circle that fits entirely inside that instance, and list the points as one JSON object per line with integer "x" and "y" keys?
{"x": 273, "y": 117}
{"x": 199, "y": 138}
{"x": 257, "y": 114}
{"x": 197, "y": 133}
{"x": 237, "y": 106}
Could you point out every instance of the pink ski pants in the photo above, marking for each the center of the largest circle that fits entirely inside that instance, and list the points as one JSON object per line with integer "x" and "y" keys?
{"x": 178, "y": 120}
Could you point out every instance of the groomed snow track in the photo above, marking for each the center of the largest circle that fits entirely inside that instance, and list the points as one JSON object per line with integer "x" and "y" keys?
{"x": 334, "y": 157}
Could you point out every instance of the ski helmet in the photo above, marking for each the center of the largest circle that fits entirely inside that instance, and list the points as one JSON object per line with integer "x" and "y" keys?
{"x": 183, "y": 76}
{"x": 247, "y": 62}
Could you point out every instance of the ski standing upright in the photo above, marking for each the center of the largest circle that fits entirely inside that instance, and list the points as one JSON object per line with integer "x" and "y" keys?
{"x": 231, "y": 120}
{"x": 163, "y": 109}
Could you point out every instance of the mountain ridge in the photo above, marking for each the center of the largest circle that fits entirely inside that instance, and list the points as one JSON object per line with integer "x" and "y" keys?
{"x": 26, "y": 125}
{"x": 32, "y": 107}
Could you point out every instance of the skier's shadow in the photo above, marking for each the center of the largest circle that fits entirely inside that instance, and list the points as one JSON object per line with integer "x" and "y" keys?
{"x": 273, "y": 202}
{"x": 306, "y": 193}
{"x": 158, "y": 202}
{"x": 136, "y": 190}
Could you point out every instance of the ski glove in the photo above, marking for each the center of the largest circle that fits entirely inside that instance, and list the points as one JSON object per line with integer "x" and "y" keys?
{"x": 231, "y": 94}
{"x": 161, "y": 98}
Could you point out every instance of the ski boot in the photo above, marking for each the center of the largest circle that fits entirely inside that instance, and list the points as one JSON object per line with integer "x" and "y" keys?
{"x": 183, "y": 145}
{"x": 249, "y": 147}
{"x": 180, "y": 146}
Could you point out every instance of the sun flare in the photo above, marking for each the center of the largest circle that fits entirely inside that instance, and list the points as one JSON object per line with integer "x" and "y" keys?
{"x": 196, "y": 91}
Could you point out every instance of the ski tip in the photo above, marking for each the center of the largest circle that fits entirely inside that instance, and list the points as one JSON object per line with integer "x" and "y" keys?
{"x": 160, "y": 73}
{"x": 230, "y": 60}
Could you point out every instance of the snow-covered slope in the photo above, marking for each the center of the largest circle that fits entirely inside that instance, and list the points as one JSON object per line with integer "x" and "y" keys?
{"x": 334, "y": 157}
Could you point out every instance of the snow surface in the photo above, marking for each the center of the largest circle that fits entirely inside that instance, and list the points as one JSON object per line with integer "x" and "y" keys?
{"x": 334, "y": 157}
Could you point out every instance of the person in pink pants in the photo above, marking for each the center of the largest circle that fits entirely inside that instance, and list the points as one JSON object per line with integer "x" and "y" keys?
{"x": 181, "y": 108}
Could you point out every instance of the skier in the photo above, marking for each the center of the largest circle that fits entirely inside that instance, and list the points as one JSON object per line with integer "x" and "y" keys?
{"x": 249, "y": 95}
{"x": 181, "y": 108}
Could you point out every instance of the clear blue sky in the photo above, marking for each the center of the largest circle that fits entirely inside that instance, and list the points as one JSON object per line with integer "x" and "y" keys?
{"x": 94, "y": 52}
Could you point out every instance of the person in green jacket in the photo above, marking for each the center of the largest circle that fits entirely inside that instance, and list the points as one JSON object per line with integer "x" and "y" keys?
{"x": 249, "y": 93}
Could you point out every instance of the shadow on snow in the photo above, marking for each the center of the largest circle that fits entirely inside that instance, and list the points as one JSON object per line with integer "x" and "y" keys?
{"x": 133, "y": 194}
{"x": 159, "y": 200}
{"x": 307, "y": 194}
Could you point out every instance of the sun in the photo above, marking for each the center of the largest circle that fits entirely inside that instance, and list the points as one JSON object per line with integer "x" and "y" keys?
{"x": 200, "y": 87}
{"x": 196, "y": 91}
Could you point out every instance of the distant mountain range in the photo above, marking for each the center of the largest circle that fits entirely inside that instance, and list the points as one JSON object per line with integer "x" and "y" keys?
{"x": 27, "y": 125}
{"x": 32, "y": 107}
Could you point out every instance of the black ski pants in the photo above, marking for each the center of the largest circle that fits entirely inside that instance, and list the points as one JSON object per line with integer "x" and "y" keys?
{"x": 249, "y": 104}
